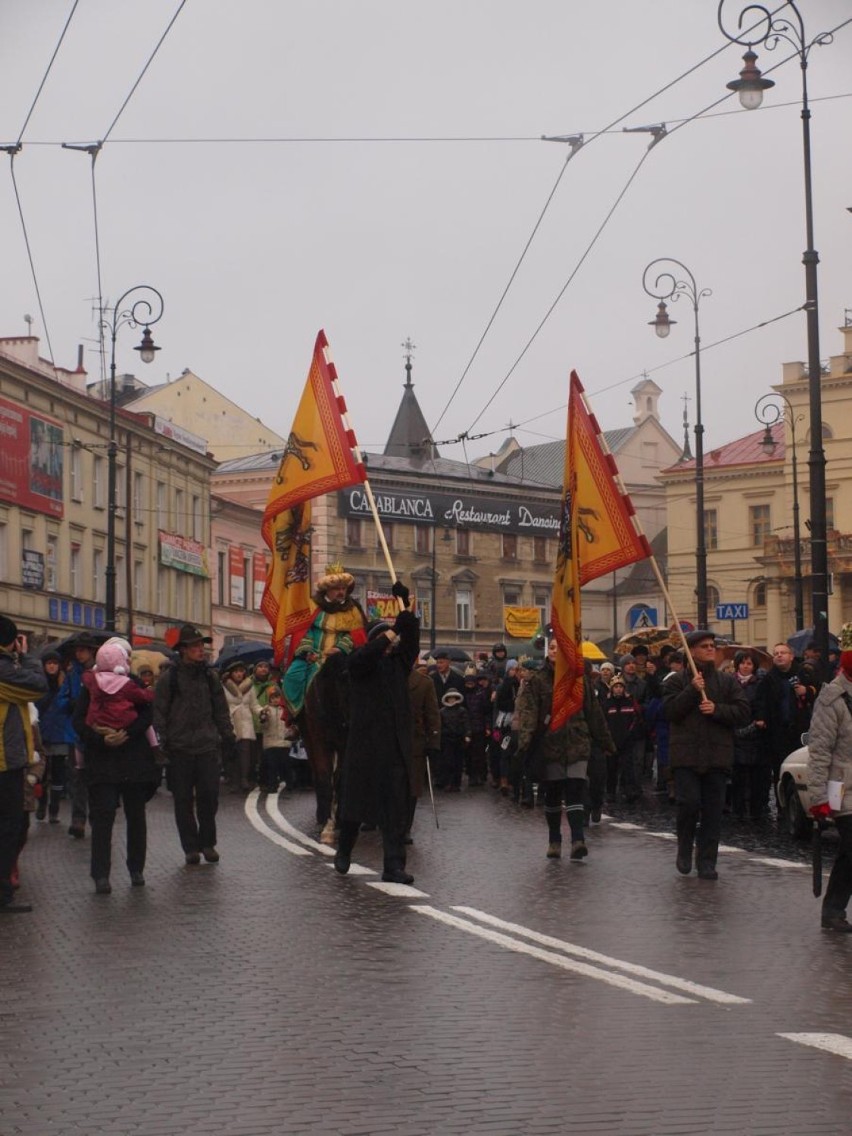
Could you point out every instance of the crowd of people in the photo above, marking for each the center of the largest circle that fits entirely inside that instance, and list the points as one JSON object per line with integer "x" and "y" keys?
{"x": 709, "y": 736}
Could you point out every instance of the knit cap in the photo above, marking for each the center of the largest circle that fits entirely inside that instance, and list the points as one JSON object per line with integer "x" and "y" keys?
{"x": 112, "y": 659}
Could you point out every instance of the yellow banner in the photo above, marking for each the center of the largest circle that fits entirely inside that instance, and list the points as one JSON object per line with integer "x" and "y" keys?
{"x": 521, "y": 622}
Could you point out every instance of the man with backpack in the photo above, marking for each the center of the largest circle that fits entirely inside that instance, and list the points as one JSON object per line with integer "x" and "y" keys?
{"x": 194, "y": 726}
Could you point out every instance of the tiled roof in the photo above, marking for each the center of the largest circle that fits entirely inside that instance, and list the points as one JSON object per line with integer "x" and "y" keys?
{"x": 545, "y": 463}
{"x": 742, "y": 451}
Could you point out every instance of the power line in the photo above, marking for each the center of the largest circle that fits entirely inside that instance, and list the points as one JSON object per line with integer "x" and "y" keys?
{"x": 30, "y": 256}
{"x": 47, "y": 72}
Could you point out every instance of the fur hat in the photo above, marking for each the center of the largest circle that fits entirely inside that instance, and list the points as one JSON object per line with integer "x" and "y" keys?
{"x": 470, "y": 672}
{"x": 617, "y": 680}
{"x": 112, "y": 659}
{"x": 451, "y": 698}
{"x": 335, "y": 577}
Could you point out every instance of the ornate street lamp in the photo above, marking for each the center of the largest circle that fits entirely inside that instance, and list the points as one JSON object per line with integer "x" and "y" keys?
{"x": 143, "y": 311}
{"x": 667, "y": 286}
{"x": 769, "y": 30}
{"x": 769, "y": 409}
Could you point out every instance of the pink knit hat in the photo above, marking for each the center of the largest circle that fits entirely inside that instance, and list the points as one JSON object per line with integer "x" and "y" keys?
{"x": 112, "y": 659}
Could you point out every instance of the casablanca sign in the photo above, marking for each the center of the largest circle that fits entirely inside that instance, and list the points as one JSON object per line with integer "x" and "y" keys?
{"x": 457, "y": 510}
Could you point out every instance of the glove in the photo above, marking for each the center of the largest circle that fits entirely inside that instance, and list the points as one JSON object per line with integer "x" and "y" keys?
{"x": 820, "y": 812}
{"x": 115, "y": 738}
{"x": 401, "y": 592}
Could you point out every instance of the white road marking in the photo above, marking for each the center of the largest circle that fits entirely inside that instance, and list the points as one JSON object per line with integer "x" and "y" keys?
{"x": 558, "y": 960}
{"x": 264, "y": 829}
{"x": 274, "y": 811}
{"x": 728, "y": 849}
{"x": 829, "y": 1042}
{"x": 357, "y": 870}
{"x": 402, "y": 891}
{"x": 774, "y": 863}
{"x": 706, "y": 992}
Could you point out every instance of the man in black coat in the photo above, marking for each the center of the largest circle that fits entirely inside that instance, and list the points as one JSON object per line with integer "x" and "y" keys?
{"x": 783, "y": 703}
{"x": 375, "y": 780}
{"x": 703, "y": 711}
{"x": 444, "y": 677}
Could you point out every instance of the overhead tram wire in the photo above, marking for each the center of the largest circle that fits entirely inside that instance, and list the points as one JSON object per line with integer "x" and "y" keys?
{"x": 605, "y": 130}
{"x": 679, "y": 126}
{"x": 12, "y": 151}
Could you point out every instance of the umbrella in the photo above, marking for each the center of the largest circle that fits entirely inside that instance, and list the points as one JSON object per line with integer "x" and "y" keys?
{"x": 455, "y": 654}
{"x": 150, "y": 656}
{"x": 591, "y": 650}
{"x": 652, "y": 637}
{"x": 66, "y": 646}
{"x": 723, "y": 654}
{"x": 249, "y": 652}
{"x": 800, "y": 639}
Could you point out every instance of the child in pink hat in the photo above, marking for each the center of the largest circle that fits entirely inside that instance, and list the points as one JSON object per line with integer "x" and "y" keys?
{"x": 114, "y": 698}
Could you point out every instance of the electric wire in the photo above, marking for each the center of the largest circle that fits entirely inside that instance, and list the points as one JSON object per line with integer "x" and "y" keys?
{"x": 31, "y": 260}
{"x": 47, "y": 72}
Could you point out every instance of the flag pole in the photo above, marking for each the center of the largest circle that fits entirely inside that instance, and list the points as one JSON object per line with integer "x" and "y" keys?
{"x": 637, "y": 524}
{"x": 356, "y": 449}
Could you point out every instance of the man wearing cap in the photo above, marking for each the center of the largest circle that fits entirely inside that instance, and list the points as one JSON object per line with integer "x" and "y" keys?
{"x": 375, "y": 780}
{"x": 703, "y": 712}
{"x": 830, "y": 780}
{"x": 22, "y": 681}
{"x": 194, "y": 725}
{"x": 444, "y": 677}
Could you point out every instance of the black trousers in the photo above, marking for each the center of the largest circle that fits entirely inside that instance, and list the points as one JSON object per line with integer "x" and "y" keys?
{"x": 103, "y": 805}
{"x": 839, "y": 889}
{"x": 393, "y": 811}
{"x": 700, "y": 798}
{"x": 195, "y": 787}
{"x": 11, "y": 818}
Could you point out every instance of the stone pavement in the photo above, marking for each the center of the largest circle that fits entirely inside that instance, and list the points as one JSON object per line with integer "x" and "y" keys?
{"x": 268, "y": 995}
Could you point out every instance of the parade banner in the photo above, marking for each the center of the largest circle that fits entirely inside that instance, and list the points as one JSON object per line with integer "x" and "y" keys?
{"x": 521, "y": 622}
{"x": 319, "y": 457}
{"x": 31, "y": 460}
{"x": 596, "y": 535}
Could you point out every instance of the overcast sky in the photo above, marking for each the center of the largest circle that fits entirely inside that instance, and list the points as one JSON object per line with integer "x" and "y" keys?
{"x": 256, "y": 245}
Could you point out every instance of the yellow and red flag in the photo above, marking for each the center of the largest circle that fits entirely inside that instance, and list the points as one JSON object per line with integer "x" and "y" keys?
{"x": 597, "y": 534}
{"x": 320, "y": 455}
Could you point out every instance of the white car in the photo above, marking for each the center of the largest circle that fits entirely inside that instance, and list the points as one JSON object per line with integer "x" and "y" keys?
{"x": 793, "y": 798}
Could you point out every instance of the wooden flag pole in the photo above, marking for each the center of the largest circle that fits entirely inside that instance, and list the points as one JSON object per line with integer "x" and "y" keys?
{"x": 373, "y": 509}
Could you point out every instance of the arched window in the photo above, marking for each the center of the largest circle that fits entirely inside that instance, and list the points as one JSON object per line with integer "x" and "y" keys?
{"x": 712, "y": 599}
{"x": 759, "y": 595}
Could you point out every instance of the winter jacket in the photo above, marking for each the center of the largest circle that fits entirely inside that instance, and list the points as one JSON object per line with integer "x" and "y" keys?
{"x": 830, "y": 743}
{"x": 570, "y": 746}
{"x": 425, "y": 727}
{"x": 53, "y": 717}
{"x": 22, "y": 681}
{"x": 239, "y": 707}
{"x": 131, "y": 763}
{"x": 70, "y": 691}
{"x": 623, "y": 719}
{"x": 276, "y": 732}
{"x": 748, "y": 742}
{"x": 703, "y": 741}
{"x": 786, "y": 716}
{"x": 190, "y": 711}
{"x": 455, "y": 722}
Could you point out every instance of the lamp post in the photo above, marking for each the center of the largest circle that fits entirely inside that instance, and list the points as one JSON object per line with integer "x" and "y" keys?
{"x": 770, "y": 29}
{"x": 769, "y": 409}
{"x": 142, "y": 311}
{"x": 667, "y": 286}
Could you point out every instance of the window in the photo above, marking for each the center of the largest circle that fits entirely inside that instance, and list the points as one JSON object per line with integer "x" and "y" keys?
{"x": 829, "y": 512}
{"x": 711, "y": 533}
{"x": 76, "y": 475}
{"x": 511, "y": 595}
{"x": 180, "y": 511}
{"x": 510, "y": 546}
{"x": 138, "y": 498}
{"x": 423, "y": 539}
{"x": 98, "y": 482}
{"x": 247, "y": 588}
{"x": 758, "y": 523}
{"x": 4, "y": 551}
{"x": 197, "y": 586}
{"x": 51, "y": 563}
{"x": 540, "y": 549}
{"x": 221, "y": 570}
{"x": 162, "y": 518}
{"x": 197, "y": 521}
{"x": 464, "y": 600}
{"x": 713, "y": 600}
{"x": 119, "y": 487}
{"x": 120, "y": 582}
{"x": 388, "y": 531}
{"x": 541, "y": 600}
{"x": 139, "y": 584}
{"x": 424, "y": 610}
{"x": 26, "y": 538}
{"x": 74, "y": 565}
{"x": 759, "y": 598}
{"x": 463, "y": 542}
{"x": 98, "y": 580}
{"x": 181, "y": 606}
{"x": 162, "y": 592}
{"x": 353, "y": 532}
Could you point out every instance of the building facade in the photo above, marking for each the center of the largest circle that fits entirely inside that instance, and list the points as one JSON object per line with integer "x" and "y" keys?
{"x": 53, "y": 508}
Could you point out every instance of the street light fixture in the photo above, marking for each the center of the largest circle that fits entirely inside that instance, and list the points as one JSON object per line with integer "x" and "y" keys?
{"x": 667, "y": 286}
{"x": 769, "y": 409}
{"x": 770, "y": 29}
{"x": 143, "y": 311}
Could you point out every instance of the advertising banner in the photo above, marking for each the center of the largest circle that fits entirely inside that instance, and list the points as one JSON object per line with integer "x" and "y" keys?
{"x": 182, "y": 553}
{"x": 470, "y": 511}
{"x": 521, "y": 622}
{"x": 259, "y": 570}
{"x": 32, "y": 569}
{"x": 237, "y": 576}
{"x": 31, "y": 459}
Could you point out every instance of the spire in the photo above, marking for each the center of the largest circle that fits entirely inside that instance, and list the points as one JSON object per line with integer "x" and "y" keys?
{"x": 687, "y": 452}
{"x": 410, "y": 436}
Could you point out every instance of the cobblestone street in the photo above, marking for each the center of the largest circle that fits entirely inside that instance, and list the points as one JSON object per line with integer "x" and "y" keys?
{"x": 503, "y": 993}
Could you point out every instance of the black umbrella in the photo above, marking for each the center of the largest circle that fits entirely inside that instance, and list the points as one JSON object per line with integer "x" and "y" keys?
{"x": 250, "y": 652}
{"x": 455, "y": 654}
{"x": 66, "y": 646}
{"x": 800, "y": 639}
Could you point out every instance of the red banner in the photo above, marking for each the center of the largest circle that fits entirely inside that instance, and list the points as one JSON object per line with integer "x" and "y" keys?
{"x": 31, "y": 460}
{"x": 259, "y": 569}
{"x": 236, "y": 577}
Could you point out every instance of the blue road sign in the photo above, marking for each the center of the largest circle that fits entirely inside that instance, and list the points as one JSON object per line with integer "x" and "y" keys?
{"x": 732, "y": 611}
